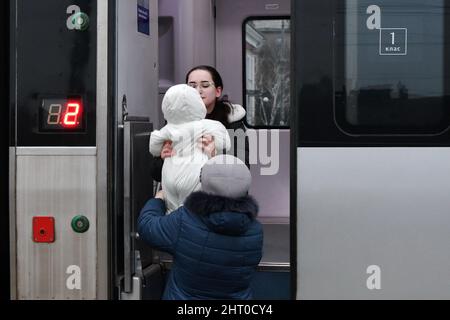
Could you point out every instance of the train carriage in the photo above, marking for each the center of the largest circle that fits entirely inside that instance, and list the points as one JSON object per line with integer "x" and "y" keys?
{"x": 347, "y": 107}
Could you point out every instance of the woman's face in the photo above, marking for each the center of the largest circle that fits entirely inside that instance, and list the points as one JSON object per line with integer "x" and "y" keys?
{"x": 200, "y": 79}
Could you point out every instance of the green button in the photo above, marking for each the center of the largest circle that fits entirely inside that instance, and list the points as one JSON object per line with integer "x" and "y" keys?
{"x": 80, "y": 224}
{"x": 81, "y": 21}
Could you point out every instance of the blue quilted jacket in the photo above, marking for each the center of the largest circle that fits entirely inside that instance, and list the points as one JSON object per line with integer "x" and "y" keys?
{"x": 216, "y": 245}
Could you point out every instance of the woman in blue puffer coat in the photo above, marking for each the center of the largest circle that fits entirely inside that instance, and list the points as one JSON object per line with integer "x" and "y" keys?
{"x": 215, "y": 240}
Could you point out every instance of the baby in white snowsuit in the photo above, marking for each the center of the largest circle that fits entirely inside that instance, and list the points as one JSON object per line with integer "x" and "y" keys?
{"x": 185, "y": 112}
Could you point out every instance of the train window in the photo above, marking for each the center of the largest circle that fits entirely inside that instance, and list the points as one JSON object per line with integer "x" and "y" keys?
{"x": 267, "y": 47}
{"x": 392, "y": 69}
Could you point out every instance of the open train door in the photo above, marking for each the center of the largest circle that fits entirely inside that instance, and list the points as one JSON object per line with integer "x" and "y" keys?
{"x": 71, "y": 63}
{"x": 58, "y": 150}
{"x": 137, "y": 273}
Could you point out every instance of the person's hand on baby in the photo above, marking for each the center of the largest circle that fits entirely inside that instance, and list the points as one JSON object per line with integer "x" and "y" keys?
{"x": 160, "y": 195}
{"x": 207, "y": 145}
{"x": 167, "y": 150}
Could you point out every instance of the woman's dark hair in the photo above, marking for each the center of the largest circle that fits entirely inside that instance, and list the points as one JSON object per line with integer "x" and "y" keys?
{"x": 215, "y": 75}
{"x": 222, "y": 109}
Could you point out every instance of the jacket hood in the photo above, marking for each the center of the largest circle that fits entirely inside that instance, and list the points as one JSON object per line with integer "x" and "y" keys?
{"x": 223, "y": 215}
{"x": 237, "y": 113}
{"x": 182, "y": 104}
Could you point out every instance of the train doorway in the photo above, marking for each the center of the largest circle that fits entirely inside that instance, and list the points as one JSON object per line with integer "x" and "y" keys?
{"x": 81, "y": 111}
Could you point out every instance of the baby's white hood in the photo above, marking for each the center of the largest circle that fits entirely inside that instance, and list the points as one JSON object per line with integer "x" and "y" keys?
{"x": 182, "y": 104}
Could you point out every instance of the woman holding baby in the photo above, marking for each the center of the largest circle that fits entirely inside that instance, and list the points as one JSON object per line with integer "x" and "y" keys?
{"x": 204, "y": 217}
{"x": 208, "y": 82}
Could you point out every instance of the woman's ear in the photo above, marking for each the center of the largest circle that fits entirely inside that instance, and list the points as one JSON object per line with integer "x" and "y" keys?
{"x": 218, "y": 92}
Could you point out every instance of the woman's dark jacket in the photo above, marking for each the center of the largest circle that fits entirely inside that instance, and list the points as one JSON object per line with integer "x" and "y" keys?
{"x": 216, "y": 245}
{"x": 232, "y": 117}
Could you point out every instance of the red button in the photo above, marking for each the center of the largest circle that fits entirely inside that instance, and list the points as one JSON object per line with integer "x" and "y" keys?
{"x": 44, "y": 229}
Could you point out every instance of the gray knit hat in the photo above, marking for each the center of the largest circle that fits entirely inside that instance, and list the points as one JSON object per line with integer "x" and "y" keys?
{"x": 226, "y": 176}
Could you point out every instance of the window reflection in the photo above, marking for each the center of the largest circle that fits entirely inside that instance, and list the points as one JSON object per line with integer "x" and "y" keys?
{"x": 391, "y": 74}
{"x": 267, "y": 68}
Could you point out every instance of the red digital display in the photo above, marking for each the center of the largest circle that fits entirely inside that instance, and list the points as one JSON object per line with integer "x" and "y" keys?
{"x": 61, "y": 115}
{"x": 72, "y": 114}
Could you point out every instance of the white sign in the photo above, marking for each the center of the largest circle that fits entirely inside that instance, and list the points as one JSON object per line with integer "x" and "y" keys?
{"x": 393, "y": 41}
